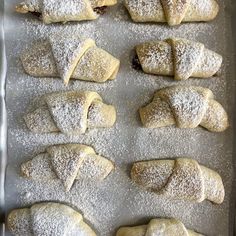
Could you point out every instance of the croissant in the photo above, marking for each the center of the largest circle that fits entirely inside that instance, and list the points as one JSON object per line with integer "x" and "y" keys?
{"x": 47, "y": 219}
{"x": 185, "y": 107}
{"x": 52, "y": 11}
{"x": 70, "y": 113}
{"x": 177, "y": 57}
{"x": 67, "y": 162}
{"x": 69, "y": 58}
{"x": 173, "y": 12}
{"x": 162, "y": 227}
{"x": 179, "y": 179}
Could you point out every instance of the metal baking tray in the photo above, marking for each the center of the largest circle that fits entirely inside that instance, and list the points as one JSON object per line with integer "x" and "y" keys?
{"x": 116, "y": 201}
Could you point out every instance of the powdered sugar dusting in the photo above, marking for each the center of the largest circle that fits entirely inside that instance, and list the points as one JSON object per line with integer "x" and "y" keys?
{"x": 63, "y": 8}
{"x": 188, "y": 105}
{"x": 116, "y": 201}
{"x": 179, "y": 179}
{"x": 187, "y": 56}
{"x": 67, "y": 53}
{"x": 173, "y": 12}
{"x": 67, "y": 163}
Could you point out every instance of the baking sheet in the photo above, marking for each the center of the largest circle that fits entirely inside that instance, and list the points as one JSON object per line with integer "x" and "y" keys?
{"x": 116, "y": 201}
{"x": 3, "y": 120}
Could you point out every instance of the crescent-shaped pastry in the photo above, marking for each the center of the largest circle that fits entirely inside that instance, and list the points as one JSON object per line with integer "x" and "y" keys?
{"x": 177, "y": 57}
{"x": 70, "y": 113}
{"x": 52, "y": 11}
{"x": 158, "y": 227}
{"x": 185, "y": 107}
{"x": 173, "y": 12}
{"x": 179, "y": 179}
{"x": 69, "y": 58}
{"x": 67, "y": 162}
{"x": 47, "y": 219}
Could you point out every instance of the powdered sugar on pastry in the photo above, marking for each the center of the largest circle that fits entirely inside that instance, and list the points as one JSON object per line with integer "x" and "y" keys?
{"x": 190, "y": 106}
{"x": 179, "y": 57}
{"x": 116, "y": 201}
{"x": 67, "y": 53}
{"x": 67, "y": 163}
{"x": 173, "y": 12}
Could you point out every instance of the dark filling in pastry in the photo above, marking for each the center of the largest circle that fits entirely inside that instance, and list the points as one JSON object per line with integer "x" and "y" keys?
{"x": 37, "y": 14}
{"x": 100, "y": 10}
{"x": 136, "y": 63}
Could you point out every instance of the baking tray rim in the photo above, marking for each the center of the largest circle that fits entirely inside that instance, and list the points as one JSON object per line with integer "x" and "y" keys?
{"x": 3, "y": 122}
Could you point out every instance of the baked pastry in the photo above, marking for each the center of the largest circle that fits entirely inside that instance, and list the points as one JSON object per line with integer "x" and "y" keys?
{"x": 52, "y": 11}
{"x": 185, "y": 107}
{"x": 177, "y": 57}
{"x": 47, "y": 219}
{"x": 71, "y": 113}
{"x": 173, "y": 12}
{"x": 67, "y": 162}
{"x": 69, "y": 58}
{"x": 160, "y": 227}
{"x": 179, "y": 179}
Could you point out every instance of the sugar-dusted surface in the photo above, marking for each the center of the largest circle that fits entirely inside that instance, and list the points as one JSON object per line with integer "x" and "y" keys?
{"x": 117, "y": 201}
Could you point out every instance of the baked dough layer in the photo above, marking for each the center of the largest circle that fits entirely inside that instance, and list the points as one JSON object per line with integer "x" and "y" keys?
{"x": 185, "y": 107}
{"x": 178, "y": 57}
{"x": 70, "y": 113}
{"x": 69, "y": 58}
{"x": 173, "y": 12}
{"x": 53, "y": 11}
{"x": 163, "y": 227}
{"x": 47, "y": 219}
{"x": 182, "y": 178}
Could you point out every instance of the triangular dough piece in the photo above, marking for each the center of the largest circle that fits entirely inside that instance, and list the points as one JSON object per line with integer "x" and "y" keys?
{"x": 39, "y": 168}
{"x": 166, "y": 227}
{"x": 186, "y": 56}
{"x": 94, "y": 167}
{"x": 67, "y": 53}
{"x": 70, "y": 109}
{"x": 188, "y": 104}
{"x": 66, "y": 161}
{"x": 40, "y": 120}
{"x": 153, "y": 175}
{"x": 48, "y": 220}
{"x": 186, "y": 182}
{"x": 175, "y": 10}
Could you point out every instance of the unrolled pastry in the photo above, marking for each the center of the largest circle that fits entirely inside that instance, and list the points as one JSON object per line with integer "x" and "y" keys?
{"x": 52, "y": 11}
{"x": 67, "y": 162}
{"x": 185, "y": 107}
{"x": 69, "y": 58}
{"x": 179, "y": 179}
{"x": 158, "y": 227}
{"x": 47, "y": 219}
{"x": 71, "y": 113}
{"x": 178, "y": 57}
{"x": 173, "y": 12}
